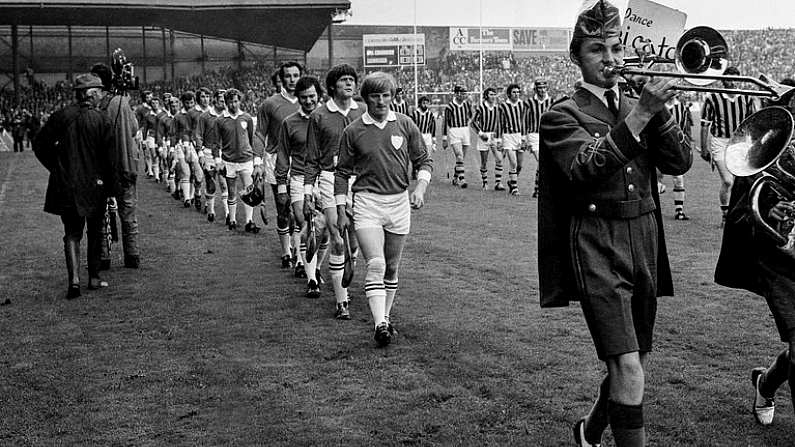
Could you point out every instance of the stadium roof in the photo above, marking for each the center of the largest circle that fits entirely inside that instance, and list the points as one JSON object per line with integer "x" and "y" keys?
{"x": 283, "y": 23}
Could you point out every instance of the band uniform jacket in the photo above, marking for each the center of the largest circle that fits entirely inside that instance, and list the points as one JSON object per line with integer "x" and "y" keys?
{"x": 589, "y": 162}
{"x": 73, "y": 146}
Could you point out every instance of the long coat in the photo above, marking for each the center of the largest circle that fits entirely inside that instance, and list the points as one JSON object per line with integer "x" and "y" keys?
{"x": 588, "y": 156}
{"x": 125, "y": 156}
{"x": 73, "y": 146}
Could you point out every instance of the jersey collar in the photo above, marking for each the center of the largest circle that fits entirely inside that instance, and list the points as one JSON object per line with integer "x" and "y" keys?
{"x": 369, "y": 120}
{"x": 332, "y": 107}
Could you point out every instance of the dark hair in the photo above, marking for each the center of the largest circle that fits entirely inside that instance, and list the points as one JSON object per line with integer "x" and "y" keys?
{"x": 275, "y": 79}
{"x": 336, "y": 73}
{"x": 287, "y": 65}
{"x": 219, "y": 93}
{"x": 205, "y": 90}
{"x": 187, "y": 96}
{"x": 377, "y": 82}
{"x": 231, "y": 93}
{"x": 511, "y": 87}
{"x": 307, "y": 82}
{"x": 144, "y": 93}
{"x": 423, "y": 98}
{"x": 104, "y": 74}
{"x": 574, "y": 49}
{"x": 487, "y": 91}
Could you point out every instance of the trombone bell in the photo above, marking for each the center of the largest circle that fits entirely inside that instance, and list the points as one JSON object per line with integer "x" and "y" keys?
{"x": 701, "y": 50}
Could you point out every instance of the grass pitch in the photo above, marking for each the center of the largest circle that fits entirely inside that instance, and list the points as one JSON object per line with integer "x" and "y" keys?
{"x": 211, "y": 343}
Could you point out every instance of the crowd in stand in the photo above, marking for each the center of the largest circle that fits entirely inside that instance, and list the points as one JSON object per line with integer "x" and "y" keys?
{"x": 752, "y": 51}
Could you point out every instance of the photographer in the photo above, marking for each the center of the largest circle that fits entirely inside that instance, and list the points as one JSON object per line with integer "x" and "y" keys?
{"x": 125, "y": 156}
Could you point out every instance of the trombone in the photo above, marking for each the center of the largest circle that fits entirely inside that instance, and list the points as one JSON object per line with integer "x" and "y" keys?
{"x": 701, "y": 57}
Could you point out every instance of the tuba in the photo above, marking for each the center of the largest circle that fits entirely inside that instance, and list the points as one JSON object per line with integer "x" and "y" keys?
{"x": 762, "y": 145}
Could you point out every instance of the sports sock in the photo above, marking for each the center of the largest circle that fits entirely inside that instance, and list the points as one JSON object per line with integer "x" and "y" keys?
{"x": 459, "y": 170}
{"x": 336, "y": 266}
{"x": 626, "y": 423}
{"x": 484, "y": 175}
{"x": 775, "y": 375}
{"x": 210, "y": 202}
{"x": 512, "y": 180}
{"x": 679, "y": 200}
{"x": 597, "y": 420}
{"x": 232, "y": 205}
{"x": 225, "y": 202}
{"x": 185, "y": 187}
{"x": 309, "y": 267}
{"x": 376, "y": 298}
{"x": 249, "y": 213}
{"x": 391, "y": 289}
{"x": 284, "y": 239}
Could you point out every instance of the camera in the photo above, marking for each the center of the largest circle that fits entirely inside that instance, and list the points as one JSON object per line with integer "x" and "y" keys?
{"x": 124, "y": 78}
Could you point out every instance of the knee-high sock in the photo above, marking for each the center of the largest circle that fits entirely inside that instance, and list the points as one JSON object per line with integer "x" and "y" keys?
{"x": 459, "y": 170}
{"x": 498, "y": 172}
{"x": 336, "y": 266}
{"x": 776, "y": 374}
{"x": 191, "y": 191}
{"x": 513, "y": 180}
{"x": 232, "y": 204}
{"x": 309, "y": 267}
{"x": 391, "y": 286}
{"x": 225, "y": 202}
{"x": 484, "y": 175}
{"x": 284, "y": 239}
{"x": 679, "y": 200}
{"x": 184, "y": 185}
{"x": 249, "y": 213}
{"x": 209, "y": 201}
{"x": 597, "y": 420}
{"x": 626, "y": 422}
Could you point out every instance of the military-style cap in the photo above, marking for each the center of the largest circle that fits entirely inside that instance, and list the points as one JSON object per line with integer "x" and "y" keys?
{"x": 87, "y": 80}
{"x": 597, "y": 19}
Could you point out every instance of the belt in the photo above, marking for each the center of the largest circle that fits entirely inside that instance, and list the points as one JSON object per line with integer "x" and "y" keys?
{"x": 616, "y": 209}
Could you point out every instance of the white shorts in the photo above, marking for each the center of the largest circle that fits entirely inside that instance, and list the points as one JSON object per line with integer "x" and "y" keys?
{"x": 718, "y": 147}
{"x": 428, "y": 140}
{"x": 392, "y": 212}
{"x": 532, "y": 142}
{"x": 484, "y": 146}
{"x": 512, "y": 141}
{"x": 269, "y": 163}
{"x": 296, "y": 188}
{"x": 325, "y": 189}
{"x": 233, "y": 169}
{"x": 458, "y": 135}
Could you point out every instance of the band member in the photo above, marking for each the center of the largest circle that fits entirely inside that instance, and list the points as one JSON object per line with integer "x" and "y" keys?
{"x": 236, "y": 154}
{"x": 457, "y": 116}
{"x": 600, "y": 234}
{"x": 750, "y": 260}
{"x": 206, "y": 138}
{"x": 290, "y": 159}
{"x": 379, "y": 148}
{"x": 269, "y": 119}
{"x": 512, "y": 127}
{"x": 537, "y": 105}
{"x": 73, "y": 146}
{"x": 326, "y": 124}
{"x": 425, "y": 119}
{"x": 721, "y": 114}
{"x": 486, "y": 121}
{"x": 399, "y": 105}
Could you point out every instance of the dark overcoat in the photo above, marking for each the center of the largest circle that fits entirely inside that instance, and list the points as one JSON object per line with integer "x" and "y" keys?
{"x": 73, "y": 146}
{"x": 589, "y": 162}
{"x": 125, "y": 155}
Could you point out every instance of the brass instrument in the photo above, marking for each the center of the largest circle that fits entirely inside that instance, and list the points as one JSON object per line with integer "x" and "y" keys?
{"x": 701, "y": 57}
{"x": 763, "y": 144}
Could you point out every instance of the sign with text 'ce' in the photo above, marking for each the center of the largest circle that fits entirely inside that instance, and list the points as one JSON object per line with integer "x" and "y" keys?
{"x": 392, "y": 50}
{"x": 653, "y": 26}
{"x": 471, "y": 39}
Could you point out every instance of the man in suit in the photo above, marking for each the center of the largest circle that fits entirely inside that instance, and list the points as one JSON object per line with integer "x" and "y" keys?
{"x": 600, "y": 229}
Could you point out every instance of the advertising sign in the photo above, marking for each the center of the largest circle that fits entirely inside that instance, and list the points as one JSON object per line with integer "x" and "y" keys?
{"x": 470, "y": 39}
{"x": 540, "y": 39}
{"x": 392, "y": 50}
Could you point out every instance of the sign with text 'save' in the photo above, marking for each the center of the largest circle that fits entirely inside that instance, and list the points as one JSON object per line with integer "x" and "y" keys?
{"x": 540, "y": 39}
{"x": 651, "y": 27}
{"x": 392, "y": 50}
{"x": 472, "y": 39}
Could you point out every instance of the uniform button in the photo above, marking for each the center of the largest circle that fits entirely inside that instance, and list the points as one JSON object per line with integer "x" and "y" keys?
{"x": 629, "y": 169}
{"x": 631, "y": 187}
{"x": 592, "y": 208}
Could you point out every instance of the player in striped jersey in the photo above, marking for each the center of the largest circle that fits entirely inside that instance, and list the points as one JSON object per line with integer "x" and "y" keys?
{"x": 537, "y": 105}
{"x": 486, "y": 122}
{"x": 457, "y": 116}
{"x": 681, "y": 113}
{"x": 399, "y": 104}
{"x": 425, "y": 119}
{"x": 720, "y": 116}
{"x": 512, "y": 127}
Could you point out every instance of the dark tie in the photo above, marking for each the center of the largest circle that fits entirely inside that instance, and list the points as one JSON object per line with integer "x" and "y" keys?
{"x": 610, "y": 95}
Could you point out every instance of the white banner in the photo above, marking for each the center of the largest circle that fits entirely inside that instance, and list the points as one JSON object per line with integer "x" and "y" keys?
{"x": 471, "y": 39}
{"x": 659, "y": 26}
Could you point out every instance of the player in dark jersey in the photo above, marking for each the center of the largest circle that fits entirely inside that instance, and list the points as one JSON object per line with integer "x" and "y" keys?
{"x": 398, "y": 103}
{"x": 457, "y": 116}
{"x": 486, "y": 121}
{"x": 537, "y": 105}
